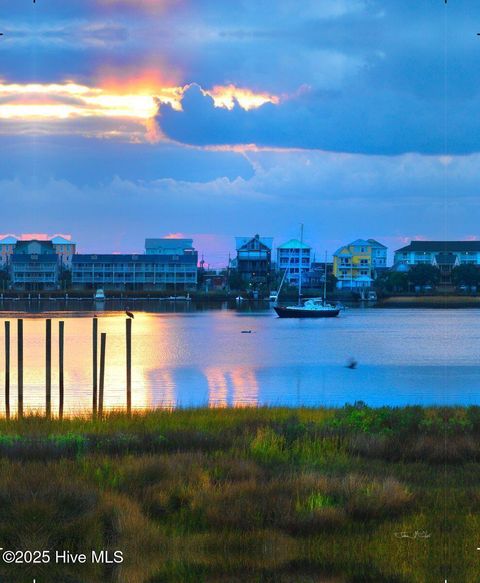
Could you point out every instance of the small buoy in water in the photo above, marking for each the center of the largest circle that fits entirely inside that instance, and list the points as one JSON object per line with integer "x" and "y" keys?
{"x": 352, "y": 363}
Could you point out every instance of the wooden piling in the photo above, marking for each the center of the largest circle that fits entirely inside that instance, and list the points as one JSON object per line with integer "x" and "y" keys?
{"x": 61, "y": 342}
{"x": 7, "y": 370}
{"x": 48, "y": 367}
{"x": 103, "y": 342}
{"x": 95, "y": 366}
{"x": 129, "y": 364}
{"x": 20, "y": 366}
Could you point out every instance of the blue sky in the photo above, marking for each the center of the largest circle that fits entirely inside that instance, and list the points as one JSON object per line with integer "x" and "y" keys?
{"x": 121, "y": 120}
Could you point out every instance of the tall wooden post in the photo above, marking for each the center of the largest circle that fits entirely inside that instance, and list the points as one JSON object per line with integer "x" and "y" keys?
{"x": 20, "y": 366}
{"x": 7, "y": 370}
{"x": 48, "y": 368}
{"x": 129, "y": 365}
{"x": 61, "y": 341}
{"x": 95, "y": 365}
{"x": 103, "y": 342}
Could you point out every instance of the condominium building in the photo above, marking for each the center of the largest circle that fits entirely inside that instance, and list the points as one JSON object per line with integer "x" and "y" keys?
{"x": 130, "y": 272}
{"x": 34, "y": 265}
{"x": 169, "y": 246}
{"x": 63, "y": 246}
{"x": 65, "y": 249}
{"x": 7, "y": 247}
{"x": 446, "y": 255}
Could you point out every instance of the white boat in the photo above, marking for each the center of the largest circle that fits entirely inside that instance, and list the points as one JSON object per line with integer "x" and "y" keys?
{"x": 99, "y": 295}
{"x": 273, "y": 297}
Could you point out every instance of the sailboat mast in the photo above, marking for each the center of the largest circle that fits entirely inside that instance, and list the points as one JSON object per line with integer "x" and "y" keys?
{"x": 325, "y": 280}
{"x": 300, "y": 253}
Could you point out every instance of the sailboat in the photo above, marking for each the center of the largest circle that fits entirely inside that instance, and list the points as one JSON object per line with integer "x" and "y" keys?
{"x": 312, "y": 307}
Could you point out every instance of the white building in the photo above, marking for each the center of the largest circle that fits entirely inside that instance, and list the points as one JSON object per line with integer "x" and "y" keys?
{"x": 294, "y": 257}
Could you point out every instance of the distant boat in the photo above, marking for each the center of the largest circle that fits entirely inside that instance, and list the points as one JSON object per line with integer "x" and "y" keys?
{"x": 273, "y": 297}
{"x": 311, "y": 308}
{"x": 100, "y": 295}
{"x": 186, "y": 298}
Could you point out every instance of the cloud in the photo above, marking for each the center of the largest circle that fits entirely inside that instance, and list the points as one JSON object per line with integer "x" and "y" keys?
{"x": 337, "y": 197}
{"x": 69, "y": 107}
{"x": 376, "y": 123}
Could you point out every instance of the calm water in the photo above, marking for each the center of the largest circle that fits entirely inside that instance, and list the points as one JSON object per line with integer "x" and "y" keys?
{"x": 202, "y": 357}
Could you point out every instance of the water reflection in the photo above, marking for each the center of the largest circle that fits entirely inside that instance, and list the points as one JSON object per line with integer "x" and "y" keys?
{"x": 235, "y": 387}
{"x": 202, "y": 358}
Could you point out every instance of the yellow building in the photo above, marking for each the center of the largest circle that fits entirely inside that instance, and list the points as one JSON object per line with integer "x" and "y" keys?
{"x": 355, "y": 265}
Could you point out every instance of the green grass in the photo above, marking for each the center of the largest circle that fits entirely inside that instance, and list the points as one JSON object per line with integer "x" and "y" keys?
{"x": 288, "y": 495}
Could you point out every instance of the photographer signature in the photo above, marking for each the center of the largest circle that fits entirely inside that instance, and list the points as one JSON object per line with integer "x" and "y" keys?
{"x": 415, "y": 535}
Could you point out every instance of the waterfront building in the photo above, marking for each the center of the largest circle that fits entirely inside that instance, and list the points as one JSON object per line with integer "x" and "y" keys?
{"x": 254, "y": 258}
{"x": 379, "y": 257}
{"x": 169, "y": 246}
{"x": 294, "y": 257}
{"x": 445, "y": 255}
{"x": 135, "y": 272}
{"x": 65, "y": 249}
{"x": 315, "y": 278}
{"x": 63, "y": 246}
{"x": 7, "y": 247}
{"x": 357, "y": 264}
{"x": 34, "y": 265}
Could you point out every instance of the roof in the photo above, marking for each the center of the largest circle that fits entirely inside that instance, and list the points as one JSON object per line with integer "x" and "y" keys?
{"x": 294, "y": 244}
{"x": 59, "y": 240}
{"x": 375, "y": 243}
{"x": 8, "y": 240}
{"x": 168, "y": 243}
{"x": 241, "y": 241}
{"x": 114, "y": 258}
{"x": 441, "y": 247}
{"x": 359, "y": 243}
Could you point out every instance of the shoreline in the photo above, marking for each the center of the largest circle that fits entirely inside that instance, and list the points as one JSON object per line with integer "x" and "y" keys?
{"x": 434, "y": 302}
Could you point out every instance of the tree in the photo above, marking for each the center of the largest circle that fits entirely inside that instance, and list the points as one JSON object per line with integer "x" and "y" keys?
{"x": 392, "y": 282}
{"x": 235, "y": 281}
{"x": 424, "y": 274}
{"x": 466, "y": 275}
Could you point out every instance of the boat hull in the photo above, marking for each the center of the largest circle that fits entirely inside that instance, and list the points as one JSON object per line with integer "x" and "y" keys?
{"x": 299, "y": 313}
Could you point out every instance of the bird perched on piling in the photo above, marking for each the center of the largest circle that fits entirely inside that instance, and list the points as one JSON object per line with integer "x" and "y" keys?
{"x": 129, "y": 314}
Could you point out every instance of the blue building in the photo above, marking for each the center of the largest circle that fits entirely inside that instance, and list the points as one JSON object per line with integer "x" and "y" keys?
{"x": 135, "y": 272}
{"x": 294, "y": 258}
{"x": 34, "y": 265}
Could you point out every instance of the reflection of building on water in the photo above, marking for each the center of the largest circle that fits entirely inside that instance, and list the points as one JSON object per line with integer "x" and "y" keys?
{"x": 217, "y": 387}
{"x": 237, "y": 387}
{"x": 162, "y": 394}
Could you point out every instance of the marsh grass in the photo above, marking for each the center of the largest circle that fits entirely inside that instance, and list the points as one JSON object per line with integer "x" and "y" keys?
{"x": 247, "y": 494}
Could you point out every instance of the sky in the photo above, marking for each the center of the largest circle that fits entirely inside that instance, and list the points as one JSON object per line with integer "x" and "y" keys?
{"x": 127, "y": 119}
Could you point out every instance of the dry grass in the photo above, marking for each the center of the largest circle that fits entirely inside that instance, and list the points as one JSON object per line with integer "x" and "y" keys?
{"x": 256, "y": 495}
